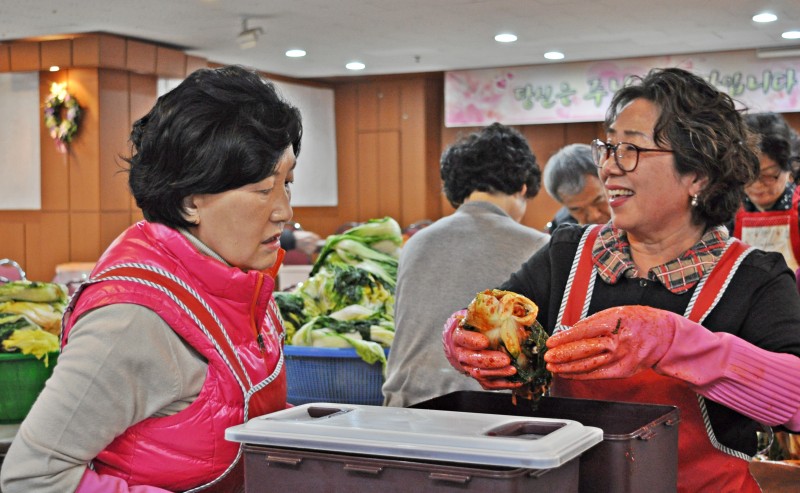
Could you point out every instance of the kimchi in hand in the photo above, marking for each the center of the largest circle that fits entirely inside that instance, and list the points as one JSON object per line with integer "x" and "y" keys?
{"x": 508, "y": 320}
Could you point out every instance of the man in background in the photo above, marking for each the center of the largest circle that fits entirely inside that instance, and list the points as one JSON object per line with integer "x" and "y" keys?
{"x": 571, "y": 178}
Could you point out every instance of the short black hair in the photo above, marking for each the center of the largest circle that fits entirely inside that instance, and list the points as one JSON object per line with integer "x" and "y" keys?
{"x": 219, "y": 130}
{"x": 495, "y": 159}
{"x": 779, "y": 141}
{"x": 706, "y": 132}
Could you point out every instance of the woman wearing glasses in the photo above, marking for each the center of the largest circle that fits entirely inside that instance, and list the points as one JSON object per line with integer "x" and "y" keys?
{"x": 663, "y": 306}
{"x": 768, "y": 218}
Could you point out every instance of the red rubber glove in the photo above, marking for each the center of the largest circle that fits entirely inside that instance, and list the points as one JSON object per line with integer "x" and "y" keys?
{"x": 466, "y": 351}
{"x": 614, "y": 343}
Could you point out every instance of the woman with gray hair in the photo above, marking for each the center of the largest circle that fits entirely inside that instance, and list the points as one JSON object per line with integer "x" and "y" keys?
{"x": 571, "y": 178}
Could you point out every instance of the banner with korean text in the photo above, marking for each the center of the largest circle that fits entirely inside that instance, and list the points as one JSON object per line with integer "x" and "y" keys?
{"x": 581, "y": 91}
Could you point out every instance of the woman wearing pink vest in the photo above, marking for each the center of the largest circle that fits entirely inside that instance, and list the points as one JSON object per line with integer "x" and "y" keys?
{"x": 660, "y": 305}
{"x": 176, "y": 335}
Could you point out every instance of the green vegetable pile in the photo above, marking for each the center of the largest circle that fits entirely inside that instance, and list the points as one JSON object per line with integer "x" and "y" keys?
{"x": 348, "y": 301}
{"x": 30, "y": 317}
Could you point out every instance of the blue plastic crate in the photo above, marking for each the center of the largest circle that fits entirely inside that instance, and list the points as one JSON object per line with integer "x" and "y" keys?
{"x": 316, "y": 374}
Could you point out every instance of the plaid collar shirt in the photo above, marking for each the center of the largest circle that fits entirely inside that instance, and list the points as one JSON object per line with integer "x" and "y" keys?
{"x": 612, "y": 258}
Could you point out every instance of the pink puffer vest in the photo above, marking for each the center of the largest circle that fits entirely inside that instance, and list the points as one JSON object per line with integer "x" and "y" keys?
{"x": 156, "y": 267}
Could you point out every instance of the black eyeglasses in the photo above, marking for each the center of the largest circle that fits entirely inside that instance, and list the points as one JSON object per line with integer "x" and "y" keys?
{"x": 626, "y": 155}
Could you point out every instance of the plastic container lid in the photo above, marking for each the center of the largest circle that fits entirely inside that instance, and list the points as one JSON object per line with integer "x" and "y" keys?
{"x": 450, "y": 436}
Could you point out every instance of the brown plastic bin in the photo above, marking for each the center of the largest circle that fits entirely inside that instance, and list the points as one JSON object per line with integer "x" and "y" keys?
{"x": 639, "y": 451}
{"x": 274, "y": 468}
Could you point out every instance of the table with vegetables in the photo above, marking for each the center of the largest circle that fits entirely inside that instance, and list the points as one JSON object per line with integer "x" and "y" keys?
{"x": 348, "y": 300}
{"x": 30, "y": 321}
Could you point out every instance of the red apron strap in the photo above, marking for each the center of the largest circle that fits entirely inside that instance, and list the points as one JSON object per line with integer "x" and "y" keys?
{"x": 193, "y": 305}
{"x": 581, "y": 279}
{"x": 794, "y": 228}
{"x": 738, "y": 220}
{"x": 712, "y": 288}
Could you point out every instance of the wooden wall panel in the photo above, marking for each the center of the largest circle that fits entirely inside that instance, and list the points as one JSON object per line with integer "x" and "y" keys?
{"x": 170, "y": 63}
{"x": 12, "y": 241}
{"x": 113, "y": 106}
{"x": 413, "y": 179}
{"x": 84, "y": 155}
{"x": 113, "y": 52}
{"x": 85, "y": 244}
{"x": 389, "y": 96}
{"x": 345, "y": 101}
{"x": 25, "y": 57}
{"x": 46, "y": 244}
{"x": 141, "y": 57}
{"x": 100, "y": 50}
{"x": 367, "y": 110}
{"x": 5, "y": 58}
{"x": 111, "y": 225}
{"x": 194, "y": 63}
{"x": 142, "y": 96}
{"x": 86, "y": 51}
{"x": 55, "y": 166}
{"x": 584, "y": 133}
{"x": 56, "y": 52}
{"x": 434, "y": 117}
{"x": 368, "y": 194}
{"x": 389, "y": 188}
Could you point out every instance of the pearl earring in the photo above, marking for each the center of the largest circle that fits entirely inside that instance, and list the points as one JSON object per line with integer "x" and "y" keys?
{"x": 694, "y": 201}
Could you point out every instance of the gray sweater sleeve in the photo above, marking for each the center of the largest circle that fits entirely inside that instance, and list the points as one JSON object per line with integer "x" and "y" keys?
{"x": 123, "y": 363}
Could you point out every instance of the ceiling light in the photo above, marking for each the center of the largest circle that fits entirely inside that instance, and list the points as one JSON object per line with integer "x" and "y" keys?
{"x": 295, "y": 53}
{"x": 505, "y": 38}
{"x": 54, "y": 68}
{"x": 791, "y": 35}
{"x": 355, "y": 66}
{"x": 554, "y": 55}
{"x": 248, "y": 38}
{"x": 765, "y": 17}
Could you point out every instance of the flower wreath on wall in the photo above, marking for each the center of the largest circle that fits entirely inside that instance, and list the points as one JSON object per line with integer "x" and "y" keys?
{"x": 61, "y": 128}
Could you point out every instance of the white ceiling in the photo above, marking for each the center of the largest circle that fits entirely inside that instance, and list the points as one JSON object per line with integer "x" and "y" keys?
{"x": 398, "y": 36}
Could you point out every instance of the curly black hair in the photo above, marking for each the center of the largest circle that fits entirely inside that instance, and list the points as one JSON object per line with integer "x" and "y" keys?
{"x": 779, "y": 141}
{"x": 497, "y": 159}
{"x": 706, "y": 132}
{"x": 220, "y": 129}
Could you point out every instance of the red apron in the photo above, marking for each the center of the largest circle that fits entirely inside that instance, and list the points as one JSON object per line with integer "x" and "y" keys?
{"x": 703, "y": 463}
{"x": 772, "y": 231}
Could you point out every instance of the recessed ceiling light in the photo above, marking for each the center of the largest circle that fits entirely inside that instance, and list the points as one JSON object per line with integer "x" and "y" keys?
{"x": 765, "y": 17}
{"x": 554, "y": 55}
{"x": 791, "y": 35}
{"x": 54, "y": 68}
{"x": 355, "y": 66}
{"x": 505, "y": 38}
{"x": 295, "y": 53}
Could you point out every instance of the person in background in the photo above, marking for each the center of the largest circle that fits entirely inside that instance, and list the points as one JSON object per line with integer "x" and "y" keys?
{"x": 660, "y": 305}
{"x": 570, "y": 177}
{"x": 769, "y": 217}
{"x": 175, "y": 336}
{"x": 294, "y": 237}
{"x": 488, "y": 176}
